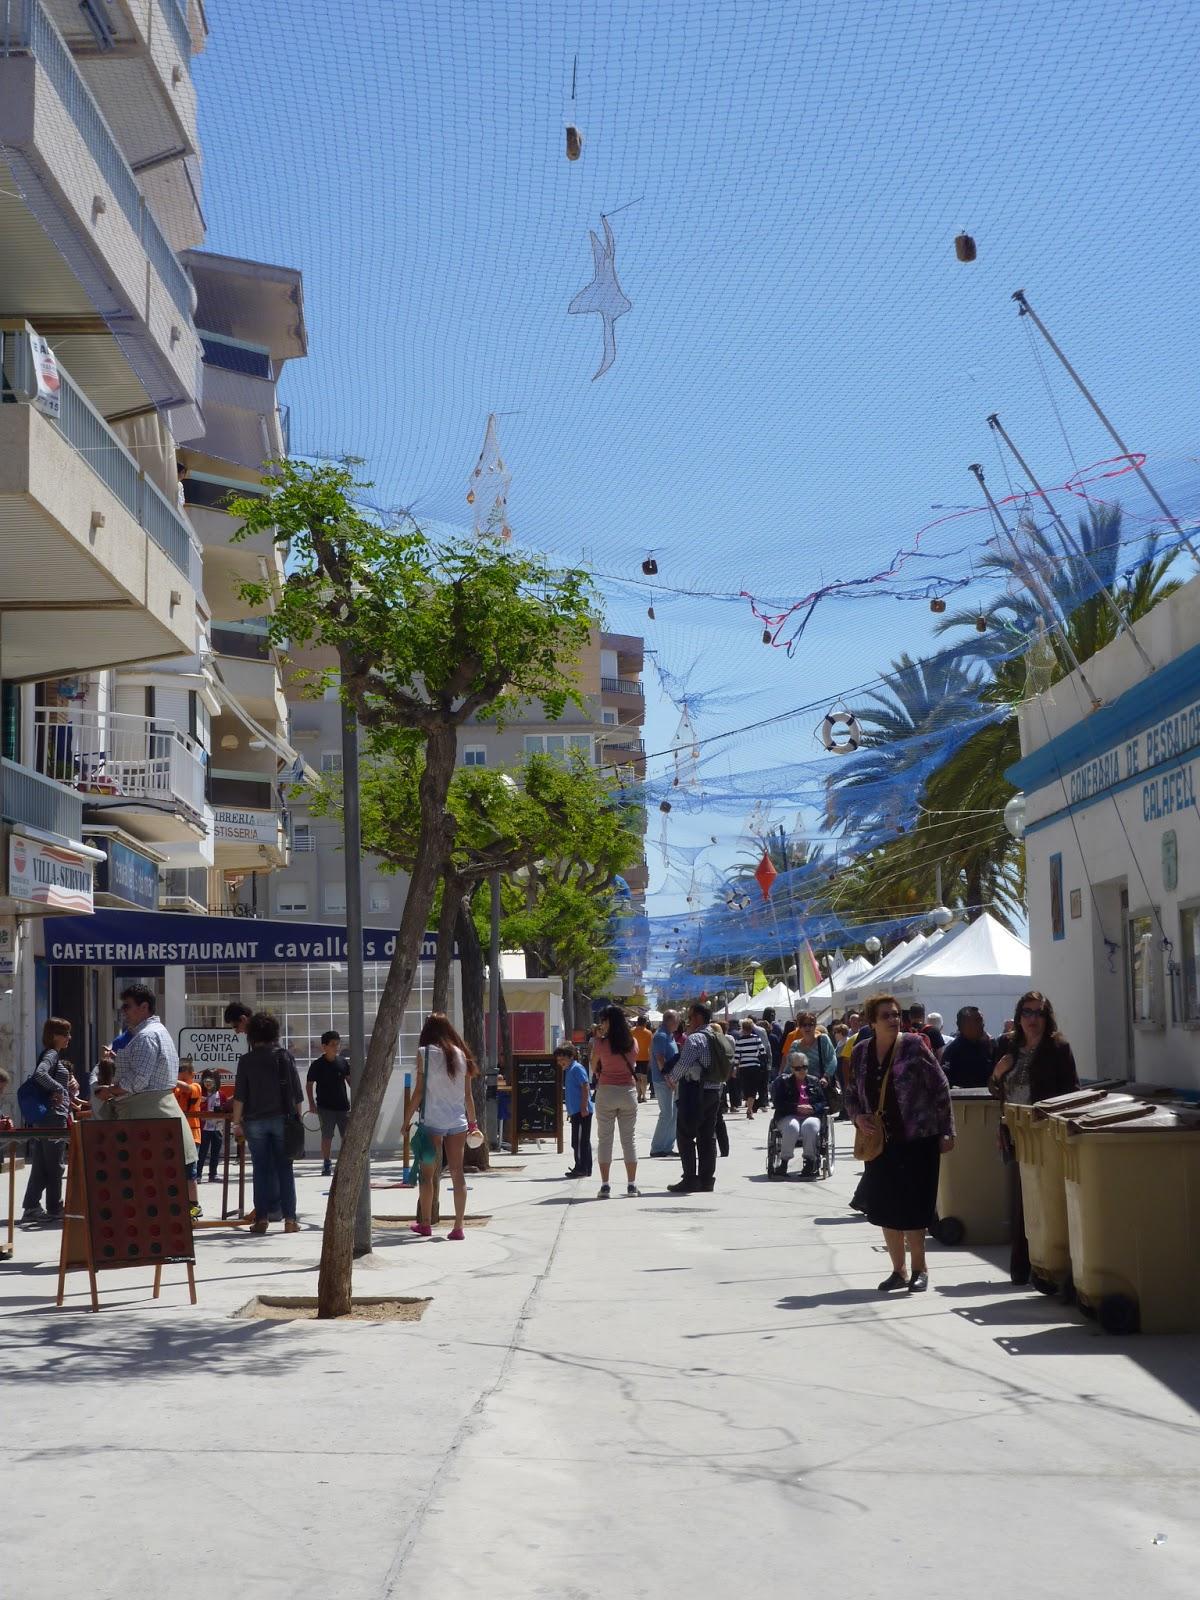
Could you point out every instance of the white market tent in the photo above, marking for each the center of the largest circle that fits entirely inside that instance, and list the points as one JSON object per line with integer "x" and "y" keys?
{"x": 980, "y": 964}
{"x": 878, "y": 978}
{"x": 830, "y": 994}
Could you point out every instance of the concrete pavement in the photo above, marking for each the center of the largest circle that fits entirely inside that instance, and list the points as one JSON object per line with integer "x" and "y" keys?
{"x": 660, "y": 1397}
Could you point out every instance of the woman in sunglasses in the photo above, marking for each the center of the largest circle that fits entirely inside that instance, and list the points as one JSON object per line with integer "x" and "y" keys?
{"x": 896, "y": 1085}
{"x": 1037, "y": 1065}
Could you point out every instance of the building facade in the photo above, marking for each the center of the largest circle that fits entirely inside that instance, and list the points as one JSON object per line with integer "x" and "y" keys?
{"x": 1112, "y": 841}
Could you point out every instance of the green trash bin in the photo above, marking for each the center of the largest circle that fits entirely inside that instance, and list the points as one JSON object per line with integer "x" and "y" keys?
{"x": 1132, "y": 1190}
{"x": 1043, "y": 1191}
{"x": 972, "y": 1198}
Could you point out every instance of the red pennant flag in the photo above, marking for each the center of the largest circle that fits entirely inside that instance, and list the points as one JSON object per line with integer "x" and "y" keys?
{"x": 765, "y": 875}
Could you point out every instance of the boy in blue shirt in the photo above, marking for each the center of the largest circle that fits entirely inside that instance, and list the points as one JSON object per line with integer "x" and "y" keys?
{"x": 578, "y": 1091}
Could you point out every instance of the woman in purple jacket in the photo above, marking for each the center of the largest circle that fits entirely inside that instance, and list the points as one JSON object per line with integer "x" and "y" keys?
{"x": 895, "y": 1079}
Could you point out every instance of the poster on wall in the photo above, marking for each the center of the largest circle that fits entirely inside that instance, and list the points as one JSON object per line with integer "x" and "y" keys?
{"x": 1058, "y": 925}
{"x": 48, "y": 875}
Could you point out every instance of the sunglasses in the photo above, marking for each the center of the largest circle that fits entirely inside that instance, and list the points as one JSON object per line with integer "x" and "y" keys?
{"x": 887, "y": 1016}
{"x": 1030, "y": 1012}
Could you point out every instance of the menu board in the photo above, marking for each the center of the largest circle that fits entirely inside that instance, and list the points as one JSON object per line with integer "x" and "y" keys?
{"x": 538, "y": 1098}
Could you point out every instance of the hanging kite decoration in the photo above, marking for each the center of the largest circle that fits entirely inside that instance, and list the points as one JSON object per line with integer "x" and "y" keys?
{"x": 603, "y": 295}
{"x": 487, "y": 491}
{"x": 841, "y": 732}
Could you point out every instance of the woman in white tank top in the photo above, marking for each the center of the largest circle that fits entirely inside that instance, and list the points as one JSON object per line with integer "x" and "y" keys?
{"x": 448, "y": 1115}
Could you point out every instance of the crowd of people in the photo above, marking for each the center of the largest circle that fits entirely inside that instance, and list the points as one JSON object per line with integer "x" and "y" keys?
{"x": 888, "y": 1071}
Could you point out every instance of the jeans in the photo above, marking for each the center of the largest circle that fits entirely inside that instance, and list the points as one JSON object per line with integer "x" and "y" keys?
{"x": 809, "y": 1134}
{"x": 46, "y": 1160}
{"x": 274, "y": 1180}
{"x": 662, "y": 1140}
{"x": 581, "y": 1144}
{"x": 696, "y": 1132}
{"x": 211, "y": 1144}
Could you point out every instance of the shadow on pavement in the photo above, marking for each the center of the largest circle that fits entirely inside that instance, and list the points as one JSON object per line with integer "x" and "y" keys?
{"x": 833, "y": 1297}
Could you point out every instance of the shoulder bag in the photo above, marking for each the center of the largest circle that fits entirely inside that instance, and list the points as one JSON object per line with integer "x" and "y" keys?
{"x": 293, "y": 1128}
{"x": 868, "y": 1145}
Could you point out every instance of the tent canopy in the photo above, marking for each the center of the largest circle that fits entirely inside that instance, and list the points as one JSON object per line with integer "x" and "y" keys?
{"x": 979, "y": 964}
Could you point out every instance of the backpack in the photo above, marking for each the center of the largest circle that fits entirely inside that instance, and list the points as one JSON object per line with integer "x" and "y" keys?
{"x": 32, "y": 1103}
{"x": 721, "y": 1057}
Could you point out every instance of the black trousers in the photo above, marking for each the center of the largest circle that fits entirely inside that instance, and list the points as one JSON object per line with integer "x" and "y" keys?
{"x": 581, "y": 1144}
{"x": 696, "y": 1131}
{"x": 47, "y": 1158}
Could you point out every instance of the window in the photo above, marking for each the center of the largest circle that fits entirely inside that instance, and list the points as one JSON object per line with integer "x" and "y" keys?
{"x": 333, "y": 688}
{"x": 608, "y": 715}
{"x": 1145, "y": 972}
{"x": 331, "y": 760}
{"x": 291, "y": 899}
{"x": 379, "y": 897}
{"x": 303, "y": 842}
{"x": 335, "y": 898}
{"x": 1189, "y": 956}
{"x": 474, "y": 755}
{"x": 534, "y": 745}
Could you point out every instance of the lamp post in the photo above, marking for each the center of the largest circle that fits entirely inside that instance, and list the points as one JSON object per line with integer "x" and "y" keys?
{"x": 873, "y": 947}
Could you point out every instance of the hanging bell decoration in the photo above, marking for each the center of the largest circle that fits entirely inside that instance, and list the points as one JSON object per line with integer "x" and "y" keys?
{"x": 650, "y": 567}
{"x": 981, "y": 623}
{"x": 766, "y": 635}
{"x": 650, "y": 612}
{"x": 574, "y": 142}
{"x": 937, "y": 605}
{"x": 964, "y": 247}
{"x": 664, "y": 806}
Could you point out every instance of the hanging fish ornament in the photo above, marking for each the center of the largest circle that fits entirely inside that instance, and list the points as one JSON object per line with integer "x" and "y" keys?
{"x": 487, "y": 491}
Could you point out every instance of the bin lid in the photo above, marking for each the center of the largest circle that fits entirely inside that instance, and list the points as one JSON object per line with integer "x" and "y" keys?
{"x": 1059, "y": 1104}
{"x": 971, "y": 1094}
{"x": 1142, "y": 1117}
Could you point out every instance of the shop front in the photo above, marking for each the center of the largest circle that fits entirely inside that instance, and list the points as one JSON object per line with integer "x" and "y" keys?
{"x": 197, "y": 965}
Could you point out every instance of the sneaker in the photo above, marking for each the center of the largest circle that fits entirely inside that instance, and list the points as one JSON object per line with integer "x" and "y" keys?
{"x": 195, "y": 1211}
{"x": 574, "y": 1173}
{"x": 605, "y": 1191}
{"x": 809, "y": 1169}
{"x": 632, "y": 1192}
{"x": 32, "y": 1217}
{"x": 327, "y": 1169}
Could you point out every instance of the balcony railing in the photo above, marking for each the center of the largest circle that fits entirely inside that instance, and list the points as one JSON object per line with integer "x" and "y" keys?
{"x": 26, "y": 29}
{"x": 622, "y": 686}
{"x": 112, "y": 756}
{"x": 82, "y": 426}
{"x": 635, "y": 747}
{"x": 38, "y": 802}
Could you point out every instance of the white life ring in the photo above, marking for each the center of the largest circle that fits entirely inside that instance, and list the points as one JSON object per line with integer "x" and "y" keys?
{"x": 853, "y": 732}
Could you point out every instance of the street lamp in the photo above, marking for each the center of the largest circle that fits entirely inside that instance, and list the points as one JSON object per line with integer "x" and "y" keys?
{"x": 1014, "y": 816}
{"x": 873, "y": 946}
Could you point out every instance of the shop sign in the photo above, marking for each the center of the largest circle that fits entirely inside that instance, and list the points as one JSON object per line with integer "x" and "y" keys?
{"x": 1165, "y": 796}
{"x": 128, "y": 875}
{"x": 245, "y": 827}
{"x": 8, "y": 946}
{"x": 1165, "y": 740}
{"x": 144, "y": 938}
{"x": 48, "y": 875}
{"x": 212, "y": 1047}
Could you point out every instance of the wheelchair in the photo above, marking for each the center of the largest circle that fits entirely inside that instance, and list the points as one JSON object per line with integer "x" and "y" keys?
{"x": 826, "y": 1149}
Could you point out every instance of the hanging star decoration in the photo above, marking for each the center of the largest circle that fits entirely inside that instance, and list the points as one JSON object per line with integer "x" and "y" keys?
{"x": 603, "y": 295}
{"x": 487, "y": 492}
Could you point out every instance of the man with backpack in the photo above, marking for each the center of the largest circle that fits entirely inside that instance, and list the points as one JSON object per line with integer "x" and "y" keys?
{"x": 704, "y": 1066}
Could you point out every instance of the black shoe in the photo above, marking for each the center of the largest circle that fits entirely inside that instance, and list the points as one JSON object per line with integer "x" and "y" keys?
{"x": 706, "y": 1188}
{"x": 809, "y": 1169}
{"x": 574, "y": 1173}
{"x": 919, "y": 1283}
{"x": 684, "y": 1186}
{"x": 327, "y": 1169}
{"x": 895, "y": 1280}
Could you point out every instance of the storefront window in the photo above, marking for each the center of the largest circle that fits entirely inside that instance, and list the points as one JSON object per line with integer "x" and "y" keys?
{"x": 1189, "y": 955}
{"x": 1145, "y": 971}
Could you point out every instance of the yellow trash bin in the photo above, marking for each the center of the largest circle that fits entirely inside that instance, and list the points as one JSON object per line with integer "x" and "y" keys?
{"x": 972, "y": 1199}
{"x": 1043, "y": 1191}
{"x": 1132, "y": 1192}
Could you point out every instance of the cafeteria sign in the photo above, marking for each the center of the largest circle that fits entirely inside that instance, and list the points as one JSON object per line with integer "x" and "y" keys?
{"x": 48, "y": 875}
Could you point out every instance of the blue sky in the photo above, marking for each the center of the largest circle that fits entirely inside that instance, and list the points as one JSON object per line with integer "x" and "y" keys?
{"x": 806, "y": 367}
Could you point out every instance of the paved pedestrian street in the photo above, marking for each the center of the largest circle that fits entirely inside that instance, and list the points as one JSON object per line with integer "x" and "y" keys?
{"x": 668, "y": 1397}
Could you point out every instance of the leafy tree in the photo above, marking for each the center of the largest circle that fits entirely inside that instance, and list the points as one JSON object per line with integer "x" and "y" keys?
{"x": 428, "y": 634}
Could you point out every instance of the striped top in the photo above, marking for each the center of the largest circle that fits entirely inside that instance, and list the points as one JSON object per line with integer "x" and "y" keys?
{"x": 748, "y": 1047}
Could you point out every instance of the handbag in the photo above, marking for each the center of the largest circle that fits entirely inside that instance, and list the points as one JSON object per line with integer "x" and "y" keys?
{"x": 868, "y": 1144}
{"x": 293, "y": 1128}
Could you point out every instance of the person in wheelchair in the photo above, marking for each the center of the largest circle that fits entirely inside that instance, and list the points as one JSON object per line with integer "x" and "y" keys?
{"x": 800, "y": 1103}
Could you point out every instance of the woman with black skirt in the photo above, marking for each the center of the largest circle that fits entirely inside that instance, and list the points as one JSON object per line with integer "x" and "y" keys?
{"x": 896, "y": 1083}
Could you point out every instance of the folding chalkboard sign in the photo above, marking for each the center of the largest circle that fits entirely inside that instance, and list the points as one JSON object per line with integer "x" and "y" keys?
{"x": 537, "y": 1111}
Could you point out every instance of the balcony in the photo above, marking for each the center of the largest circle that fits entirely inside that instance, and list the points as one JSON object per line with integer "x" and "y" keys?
{"x": 94, "y": 563}
{"x": 630, "y": 688}
{"x": 33, "y": 801}
{"x": 242, "y": 424}
{"x": 142, "y": 770}
{"x": 81, "y": 250}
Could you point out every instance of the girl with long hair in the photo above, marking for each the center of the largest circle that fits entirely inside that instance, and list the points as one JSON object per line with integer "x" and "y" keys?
{"x": 442, "y": 1095}
{"x": 614, "y": 1071}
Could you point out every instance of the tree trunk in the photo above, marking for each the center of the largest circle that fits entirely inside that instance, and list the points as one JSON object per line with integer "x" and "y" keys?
{"x": 334, "y": 1287}
{"x": 471, "y": 973}
{"x": 451, "y": 899}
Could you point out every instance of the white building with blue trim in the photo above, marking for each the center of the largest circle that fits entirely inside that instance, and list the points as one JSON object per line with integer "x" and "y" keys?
{"x": 1112, "y": 838}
